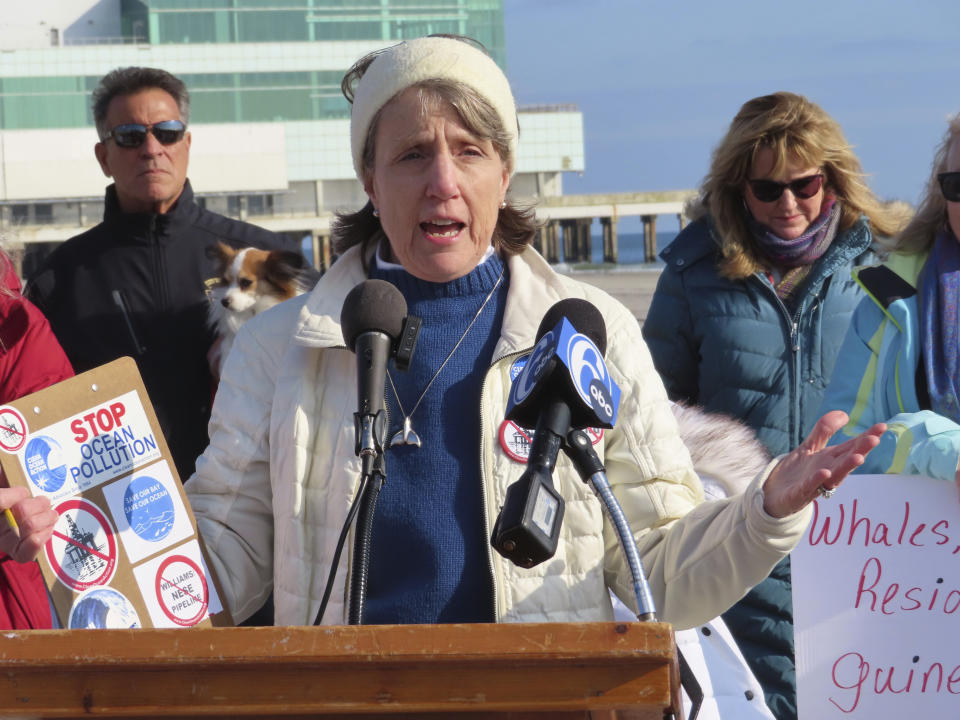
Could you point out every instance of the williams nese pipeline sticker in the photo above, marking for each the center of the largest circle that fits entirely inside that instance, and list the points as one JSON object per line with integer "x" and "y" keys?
{"x": 177, "y": 588}
{"x": 93, "y": 447}
{"x": 516, "y": 440}
{"x": 83, "y": 549}
{"x": 148, "y": 511}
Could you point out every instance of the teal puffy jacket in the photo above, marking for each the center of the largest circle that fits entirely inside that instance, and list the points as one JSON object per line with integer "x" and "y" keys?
{"x": 734, "y": 347}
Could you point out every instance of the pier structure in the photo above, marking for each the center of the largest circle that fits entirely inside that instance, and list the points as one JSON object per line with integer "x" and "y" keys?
{"x": 564, "y": 220}
{"x": 567, "y": 219}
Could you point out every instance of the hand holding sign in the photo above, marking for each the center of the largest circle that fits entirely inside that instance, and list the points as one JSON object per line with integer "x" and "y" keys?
{"x": 799, "y": 476}
{"x": 33, "y": 518}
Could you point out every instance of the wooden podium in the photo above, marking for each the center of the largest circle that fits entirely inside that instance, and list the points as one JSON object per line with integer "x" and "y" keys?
{"x": 589, "y": 670}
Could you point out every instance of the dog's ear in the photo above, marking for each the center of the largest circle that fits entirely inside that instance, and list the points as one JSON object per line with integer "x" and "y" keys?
{"x": 221, "y": 253}
{"x": 283, "y": 267}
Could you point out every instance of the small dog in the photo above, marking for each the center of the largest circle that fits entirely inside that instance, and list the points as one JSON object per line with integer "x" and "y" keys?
{"x": 251, "y": 281}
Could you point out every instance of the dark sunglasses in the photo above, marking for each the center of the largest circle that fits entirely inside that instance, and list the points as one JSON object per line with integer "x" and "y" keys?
{"x": 133, "y": 135}
{"x": 770, "y": 190}
{"x": 950, "y": 185}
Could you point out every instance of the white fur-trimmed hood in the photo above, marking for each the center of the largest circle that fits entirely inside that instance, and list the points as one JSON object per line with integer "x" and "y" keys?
{"x": 726, "y": 453}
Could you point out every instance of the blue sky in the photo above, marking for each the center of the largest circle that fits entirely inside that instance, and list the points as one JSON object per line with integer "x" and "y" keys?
{"x": 659, "y": 82}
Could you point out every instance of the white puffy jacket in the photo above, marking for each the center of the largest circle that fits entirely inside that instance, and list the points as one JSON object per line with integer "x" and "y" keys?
{"x": 272, "y": 490}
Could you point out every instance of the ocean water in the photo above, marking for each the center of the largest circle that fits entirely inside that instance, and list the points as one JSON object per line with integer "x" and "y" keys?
{"x": 630, "y": 248}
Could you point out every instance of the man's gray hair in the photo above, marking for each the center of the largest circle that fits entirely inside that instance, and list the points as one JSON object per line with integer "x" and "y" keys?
{"x": 131, "y": 80}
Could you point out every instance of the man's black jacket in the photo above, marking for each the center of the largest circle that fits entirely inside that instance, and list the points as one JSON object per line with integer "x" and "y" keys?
{"x": 136, "y": 284}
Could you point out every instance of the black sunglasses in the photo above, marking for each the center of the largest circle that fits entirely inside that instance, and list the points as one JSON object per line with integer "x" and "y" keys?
{"x": 770, "y": 190}
{"x": 950, "y": 185}
{"x": 133, "y": 135}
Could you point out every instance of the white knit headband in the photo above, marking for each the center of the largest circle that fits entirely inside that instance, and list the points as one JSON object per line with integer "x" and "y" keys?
{"x": 429, "y": 58}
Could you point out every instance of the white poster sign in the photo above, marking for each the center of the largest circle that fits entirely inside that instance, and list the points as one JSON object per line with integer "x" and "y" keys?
{"x": 876, "y": 600}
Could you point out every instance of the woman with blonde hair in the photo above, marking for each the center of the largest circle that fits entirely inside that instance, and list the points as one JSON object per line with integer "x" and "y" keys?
{"x": 753, "y": 303}
{"x": 905, "y": 334}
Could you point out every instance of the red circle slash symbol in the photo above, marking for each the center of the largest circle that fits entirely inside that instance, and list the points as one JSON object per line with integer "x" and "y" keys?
{"x": 83, "y": 549}
{"x": 182, "y": 590}
{"x": 13, "y": 430}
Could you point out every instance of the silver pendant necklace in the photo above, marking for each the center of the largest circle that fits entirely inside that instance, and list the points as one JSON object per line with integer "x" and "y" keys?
{"x": 408, "y": 436}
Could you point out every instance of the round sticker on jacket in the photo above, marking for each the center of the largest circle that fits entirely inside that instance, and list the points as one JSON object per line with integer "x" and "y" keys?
{"x": 516, "y": 440}
{"x": 518, "y": 365}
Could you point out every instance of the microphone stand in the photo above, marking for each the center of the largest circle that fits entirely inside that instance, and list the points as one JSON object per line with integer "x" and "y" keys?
{"x": 360, "y": 569}
{"x": 370, "y": 433}
{"x": 579, "y": 449}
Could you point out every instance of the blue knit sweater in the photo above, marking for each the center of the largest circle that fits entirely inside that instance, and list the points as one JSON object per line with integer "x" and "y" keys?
{"x": 429, "y": 558}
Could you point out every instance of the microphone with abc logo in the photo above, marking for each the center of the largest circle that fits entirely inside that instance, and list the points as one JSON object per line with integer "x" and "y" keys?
{"x": 564, "y": 385}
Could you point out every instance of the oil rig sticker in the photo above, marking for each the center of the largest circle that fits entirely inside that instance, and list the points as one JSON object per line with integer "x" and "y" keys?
{"x": 83, "y": 549}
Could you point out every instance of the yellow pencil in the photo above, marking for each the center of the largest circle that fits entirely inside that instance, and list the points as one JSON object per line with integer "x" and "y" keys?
{"x": 10, "y": 519}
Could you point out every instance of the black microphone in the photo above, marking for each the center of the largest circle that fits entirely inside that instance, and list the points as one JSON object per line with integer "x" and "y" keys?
{"x": 564, "y": 385}
{"x": 372, "y": 320}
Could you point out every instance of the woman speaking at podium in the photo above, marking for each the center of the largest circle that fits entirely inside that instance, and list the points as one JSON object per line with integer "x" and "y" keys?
{"x": 434, "y": 140}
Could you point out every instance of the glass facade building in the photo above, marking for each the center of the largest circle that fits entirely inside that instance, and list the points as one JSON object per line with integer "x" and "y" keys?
{"x": 269, "y": 96}
{"x": 270, "y": 125}
{"x": 243, "y": 21}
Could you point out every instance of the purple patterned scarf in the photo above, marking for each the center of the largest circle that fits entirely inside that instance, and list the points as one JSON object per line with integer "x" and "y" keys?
{"x": 939, "y": 293}
{"x": 796, "y": 256}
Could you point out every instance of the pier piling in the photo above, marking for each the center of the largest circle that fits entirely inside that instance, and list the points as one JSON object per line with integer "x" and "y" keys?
{"x": 610, "y": 247}
{"x": 649, "y": 238}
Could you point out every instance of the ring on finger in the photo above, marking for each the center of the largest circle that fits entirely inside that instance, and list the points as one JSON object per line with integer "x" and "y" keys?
{"x": 825, "y": 492}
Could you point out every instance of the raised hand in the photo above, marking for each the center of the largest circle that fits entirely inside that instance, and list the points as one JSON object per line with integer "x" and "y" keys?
{"x": 812, "y": 467}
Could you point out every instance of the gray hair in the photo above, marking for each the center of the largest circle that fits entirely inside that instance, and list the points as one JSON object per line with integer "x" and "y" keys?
{"x": 131, "y": 80}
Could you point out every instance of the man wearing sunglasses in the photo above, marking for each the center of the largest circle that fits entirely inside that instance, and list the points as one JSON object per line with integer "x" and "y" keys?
{"x": 136, "y": 283}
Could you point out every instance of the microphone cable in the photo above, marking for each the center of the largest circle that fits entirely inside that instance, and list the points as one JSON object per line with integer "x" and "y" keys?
{"x": 341, "y": 541}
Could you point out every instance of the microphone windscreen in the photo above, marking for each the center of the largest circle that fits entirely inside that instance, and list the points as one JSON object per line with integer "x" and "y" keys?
{"x": 372, "y": 306}
{"x": 583, "y": 315}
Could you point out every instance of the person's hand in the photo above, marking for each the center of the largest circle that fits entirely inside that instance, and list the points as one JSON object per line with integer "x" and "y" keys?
{"x": 34, "y": 519}
{"x": 795, "y": 482}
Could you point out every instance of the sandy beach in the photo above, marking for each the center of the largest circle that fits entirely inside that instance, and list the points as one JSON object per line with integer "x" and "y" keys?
{"x": 634, "y": 287}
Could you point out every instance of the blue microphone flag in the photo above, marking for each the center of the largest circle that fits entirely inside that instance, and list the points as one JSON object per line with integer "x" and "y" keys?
{"x": 567, "y": 362}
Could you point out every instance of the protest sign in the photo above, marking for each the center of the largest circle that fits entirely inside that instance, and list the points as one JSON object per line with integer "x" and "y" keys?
{"x": 125, "y": 550}
{"x": 876, "y": 599}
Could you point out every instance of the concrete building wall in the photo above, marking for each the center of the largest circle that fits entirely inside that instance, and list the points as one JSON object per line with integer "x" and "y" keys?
{"x": 46, "y": 23}
{"x": 52, "y": 165}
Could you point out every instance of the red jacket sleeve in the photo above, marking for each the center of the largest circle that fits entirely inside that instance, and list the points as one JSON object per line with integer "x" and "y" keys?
{"x": 30, "y": 360}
